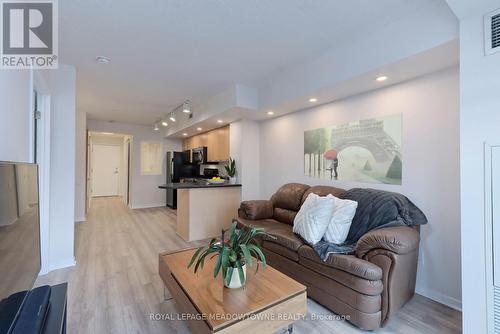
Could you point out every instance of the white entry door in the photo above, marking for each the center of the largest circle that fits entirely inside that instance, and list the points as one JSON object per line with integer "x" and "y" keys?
{"x": 106, "y": 170}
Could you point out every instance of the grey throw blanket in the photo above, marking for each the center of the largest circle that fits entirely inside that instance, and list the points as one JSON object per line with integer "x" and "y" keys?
{"x": 376, "y": 209}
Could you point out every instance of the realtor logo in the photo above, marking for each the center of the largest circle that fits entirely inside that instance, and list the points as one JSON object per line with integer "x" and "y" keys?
{"x": 29, "y": 34}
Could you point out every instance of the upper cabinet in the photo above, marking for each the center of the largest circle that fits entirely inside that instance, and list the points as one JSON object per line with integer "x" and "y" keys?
{"x": 216, "y": 141}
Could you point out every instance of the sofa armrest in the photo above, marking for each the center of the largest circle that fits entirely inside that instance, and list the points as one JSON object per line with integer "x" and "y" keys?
{"x": 395, "y": 250}
{"x": 399, "y": 240}
{"x": 255, "y": 210}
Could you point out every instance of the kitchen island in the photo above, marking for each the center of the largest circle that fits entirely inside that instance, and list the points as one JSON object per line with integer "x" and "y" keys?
{"x": 203, "y": 209}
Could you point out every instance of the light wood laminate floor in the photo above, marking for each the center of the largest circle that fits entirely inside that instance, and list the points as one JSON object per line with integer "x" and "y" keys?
{"x": 115, "y": 287}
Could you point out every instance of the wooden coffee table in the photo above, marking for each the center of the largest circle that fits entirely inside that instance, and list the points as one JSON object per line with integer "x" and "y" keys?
{"x": 269, "y": 301}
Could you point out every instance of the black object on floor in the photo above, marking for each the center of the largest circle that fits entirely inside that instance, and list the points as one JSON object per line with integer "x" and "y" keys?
{"x": 55, "y": 323}
{"x": 42, "y": 310}
{"x": 9, "y": 308}
{"x": 32, "y": 317}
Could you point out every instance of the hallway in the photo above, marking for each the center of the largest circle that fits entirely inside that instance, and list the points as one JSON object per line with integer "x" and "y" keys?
{"x": 115, "y": 286}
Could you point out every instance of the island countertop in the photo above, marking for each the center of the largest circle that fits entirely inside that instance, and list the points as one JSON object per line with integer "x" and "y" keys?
{"x": 204, "y": 209}
{"x": 192, "y": 185}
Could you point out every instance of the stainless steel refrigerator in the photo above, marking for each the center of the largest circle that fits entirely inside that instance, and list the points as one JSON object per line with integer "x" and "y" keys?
{"x": 178, "y": 167}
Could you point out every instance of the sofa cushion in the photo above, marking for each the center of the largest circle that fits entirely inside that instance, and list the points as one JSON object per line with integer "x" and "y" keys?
{"x": 281, "y": 250}
{"x": 268, "y": 225}
{"x": 289, "y": 196}
{"x": 281, "y": 232}
{"x": 284, "y": 236}
{"x": 286, "y": 243}
{"x": 323, "y": 191}
{"x": 348, "y": 263}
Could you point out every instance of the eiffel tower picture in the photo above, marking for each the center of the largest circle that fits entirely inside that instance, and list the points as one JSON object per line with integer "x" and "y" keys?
{"x": 367, "y": 150}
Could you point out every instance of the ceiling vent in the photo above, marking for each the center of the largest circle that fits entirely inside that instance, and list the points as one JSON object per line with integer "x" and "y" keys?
{"x": 492, "y": 32}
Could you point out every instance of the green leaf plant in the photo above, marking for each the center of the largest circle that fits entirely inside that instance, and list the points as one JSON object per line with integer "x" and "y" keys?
{"x": 230, "y": 168}
{"x": 235, "y": 248}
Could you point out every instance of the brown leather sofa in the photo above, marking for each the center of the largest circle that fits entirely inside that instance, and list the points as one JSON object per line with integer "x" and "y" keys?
{"x": 367, "y": 287}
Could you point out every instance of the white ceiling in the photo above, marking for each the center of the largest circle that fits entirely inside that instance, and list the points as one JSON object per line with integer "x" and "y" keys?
{"x": 429, "y": 61}
{"x": 464, "y": 8}
{"x": 165, "y": 51}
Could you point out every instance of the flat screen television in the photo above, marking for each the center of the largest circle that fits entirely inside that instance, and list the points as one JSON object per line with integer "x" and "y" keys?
{"x": 19, "y": 231}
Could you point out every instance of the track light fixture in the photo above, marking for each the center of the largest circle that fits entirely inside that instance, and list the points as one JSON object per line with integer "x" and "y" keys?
{"x": 186, "y": 107}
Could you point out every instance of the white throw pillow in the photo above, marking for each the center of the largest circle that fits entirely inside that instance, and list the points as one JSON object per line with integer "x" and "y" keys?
{"x": 314, "y": 217}
{"x": 340, "y": 223}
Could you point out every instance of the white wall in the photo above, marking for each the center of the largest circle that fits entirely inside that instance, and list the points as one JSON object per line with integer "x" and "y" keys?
{"x": 144, "y": 190}
{"x": 479, "y": 123}
{"x": 15, "y": 115}
{"x": 99, "y": 139}
{"x": 430, "y": 164}
{"x": 244, "y": 139}
{"x": 80, "y": 166}
{"x": 62, "y": 86}
{"x": 16, "y": 98}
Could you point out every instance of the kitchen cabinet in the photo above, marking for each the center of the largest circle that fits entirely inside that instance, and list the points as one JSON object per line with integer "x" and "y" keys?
{"x": 216, "y": 141}
{"x": 212, "y": 146}
{"x": 198, "y": 141}
{"x": 218, "y": 144}
{"x": 186, "y": 144}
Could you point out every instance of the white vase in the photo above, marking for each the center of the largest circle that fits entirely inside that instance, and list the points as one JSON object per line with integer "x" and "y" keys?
{"x": 235, "y": 278}
{"x": 232, "y": 180}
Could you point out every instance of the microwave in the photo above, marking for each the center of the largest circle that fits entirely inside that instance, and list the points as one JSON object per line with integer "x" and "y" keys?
{"x": 199, "y": 155}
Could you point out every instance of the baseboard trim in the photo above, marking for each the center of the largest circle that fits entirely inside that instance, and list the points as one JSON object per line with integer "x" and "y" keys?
{"x": 440, "y": 298}
{"x": 146, "y": 206}
{"x": 80, "y": 219}
{"x": 43, "y": 271}
{"x": 62, "y": 264}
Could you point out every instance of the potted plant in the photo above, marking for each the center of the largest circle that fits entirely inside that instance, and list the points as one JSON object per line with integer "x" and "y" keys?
{"x": 231, "y": 170}
{"x": 233, "y": 254}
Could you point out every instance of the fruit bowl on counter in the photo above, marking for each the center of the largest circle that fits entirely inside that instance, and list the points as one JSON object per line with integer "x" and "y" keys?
{"x": 216, "y": 180}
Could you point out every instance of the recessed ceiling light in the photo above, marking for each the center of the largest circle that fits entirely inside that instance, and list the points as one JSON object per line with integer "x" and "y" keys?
{"x": 270, "y": 113}
{"x": 313, "y": 99}
{"x": 164, "y": 123}
{"x": 199, "y": 129}
{"x": 184, "y": 134}
{"x": 102, "y": 60}
{"x": 156, "y": 128}
{"x": 172, "y": 117}
{"x": 220, "y": 121}
{"x": 381, "y": 78}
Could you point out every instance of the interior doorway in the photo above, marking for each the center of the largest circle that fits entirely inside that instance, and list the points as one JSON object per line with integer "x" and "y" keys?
{"x": 107, "y": 161}
{"x": 108, "y": 165}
